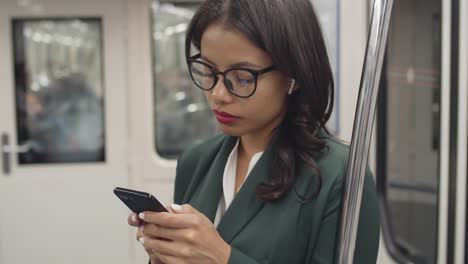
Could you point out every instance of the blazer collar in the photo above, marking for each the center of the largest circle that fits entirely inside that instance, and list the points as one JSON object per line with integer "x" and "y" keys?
{"x": 245, "y": 204}
{"x": 207, "y": 195}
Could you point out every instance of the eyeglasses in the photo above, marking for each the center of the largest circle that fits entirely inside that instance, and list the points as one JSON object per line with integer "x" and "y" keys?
{"x": 241, "y": 82}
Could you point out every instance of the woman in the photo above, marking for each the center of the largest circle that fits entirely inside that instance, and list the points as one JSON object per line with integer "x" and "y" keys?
{"x": 269, "y": 189}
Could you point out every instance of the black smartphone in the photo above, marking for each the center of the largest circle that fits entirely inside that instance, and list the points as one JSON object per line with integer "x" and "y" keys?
{"x": 139, "y": 201}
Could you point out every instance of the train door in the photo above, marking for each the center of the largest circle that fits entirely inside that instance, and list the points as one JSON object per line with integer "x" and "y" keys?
{"x": 419, "y": 138}
{"x": 63, "y": 125}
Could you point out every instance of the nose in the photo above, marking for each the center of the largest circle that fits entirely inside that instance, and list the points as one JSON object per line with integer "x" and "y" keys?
{"x": 220, "y": 93}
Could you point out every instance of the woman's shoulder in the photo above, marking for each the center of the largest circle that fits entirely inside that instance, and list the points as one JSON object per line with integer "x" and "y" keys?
{"x": 332, "y": 165}
{"x": 335, "y": 155}
{"x": 194, "y": 161}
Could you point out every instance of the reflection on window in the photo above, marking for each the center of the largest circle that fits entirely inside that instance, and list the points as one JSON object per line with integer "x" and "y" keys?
{"x": 59, "y": 90}
{"x": 411, "y": 141}
{"x": 182, "y": 115}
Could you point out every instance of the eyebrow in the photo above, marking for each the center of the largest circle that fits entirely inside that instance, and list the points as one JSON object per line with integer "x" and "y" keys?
{"x": 235, "y": 65}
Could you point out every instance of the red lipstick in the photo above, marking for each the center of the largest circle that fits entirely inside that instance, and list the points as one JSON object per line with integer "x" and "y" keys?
{"x": 225, "y": 118}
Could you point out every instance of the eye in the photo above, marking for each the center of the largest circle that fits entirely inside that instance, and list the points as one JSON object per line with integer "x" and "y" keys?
{"x": 245, "y": 81}
{"x": 244, "y": 78}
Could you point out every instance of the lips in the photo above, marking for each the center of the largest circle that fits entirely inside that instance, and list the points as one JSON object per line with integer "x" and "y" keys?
{"x": 225, "y": 118}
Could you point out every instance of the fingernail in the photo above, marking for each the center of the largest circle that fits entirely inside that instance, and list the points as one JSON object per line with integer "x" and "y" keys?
{"x": 141, "y": 215}
{"x": 141, "y": 228}
{"x": 134, "y": 218}
{"x": 176, "y": 207}
{"x": 141, "y": 240}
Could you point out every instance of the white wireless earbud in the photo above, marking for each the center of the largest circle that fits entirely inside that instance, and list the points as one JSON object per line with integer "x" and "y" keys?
{"x": 293, "y": 82}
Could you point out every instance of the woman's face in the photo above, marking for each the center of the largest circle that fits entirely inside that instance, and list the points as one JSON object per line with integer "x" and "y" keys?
{"x": 264, "y": 110}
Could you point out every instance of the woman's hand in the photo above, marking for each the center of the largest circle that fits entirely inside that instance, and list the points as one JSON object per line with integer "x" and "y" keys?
{"x": 133, "y": 220}
{"x": 185, "y": 236}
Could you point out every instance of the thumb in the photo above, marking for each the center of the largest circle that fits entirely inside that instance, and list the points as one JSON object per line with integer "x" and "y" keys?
{"x": 183, "y": 209}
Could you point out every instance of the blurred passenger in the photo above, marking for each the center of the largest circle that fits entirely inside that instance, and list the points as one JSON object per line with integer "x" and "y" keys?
{"x": 269, "y": 189}
{"x": 65, "y": 121}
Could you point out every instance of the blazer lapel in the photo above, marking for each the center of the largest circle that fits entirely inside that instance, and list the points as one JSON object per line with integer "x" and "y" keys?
{"x": 246, "y": 204}
{"x": 208, "y": 194}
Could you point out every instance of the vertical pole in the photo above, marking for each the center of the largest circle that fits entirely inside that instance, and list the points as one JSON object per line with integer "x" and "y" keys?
{"x": 362, "y": 132}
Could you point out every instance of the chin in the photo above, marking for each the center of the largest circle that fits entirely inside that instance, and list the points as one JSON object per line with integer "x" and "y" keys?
{"x": 231, "y": 130}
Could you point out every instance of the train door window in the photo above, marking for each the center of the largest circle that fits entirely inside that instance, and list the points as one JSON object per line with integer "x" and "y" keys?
{"x": 59, "y": 90}
{"x": 409, "y": 125}
{"x": 182, "y": 115}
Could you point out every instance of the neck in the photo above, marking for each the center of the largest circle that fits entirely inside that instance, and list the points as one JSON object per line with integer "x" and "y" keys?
{"x": 252, "y": 144}
{"x": 258, "y": 141}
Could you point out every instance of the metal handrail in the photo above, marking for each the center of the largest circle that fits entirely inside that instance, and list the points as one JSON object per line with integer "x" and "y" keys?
{"x": 363, "y": 125}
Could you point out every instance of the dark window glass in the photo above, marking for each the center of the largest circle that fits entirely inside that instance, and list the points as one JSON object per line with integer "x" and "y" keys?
{"x": 409, "y": 148}
{"x": 59, "y": 90}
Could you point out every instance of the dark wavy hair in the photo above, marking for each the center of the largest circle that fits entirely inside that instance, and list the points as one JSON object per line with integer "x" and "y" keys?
{"x": 289, "y": 31}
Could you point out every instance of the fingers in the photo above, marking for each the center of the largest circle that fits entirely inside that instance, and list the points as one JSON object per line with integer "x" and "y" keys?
{"x": 169, "y": 209}
{"x": 153, "y": 231}
{"x": 156, "y": 260}
{"x": 170, "y": 220}
{"x": 166, "y": 259}
{"x": 184, "y": 209}
{"x": 139, "y": 234}
{"x": 133, "y": 220}
{"x": 159, "y": 246}
{"x": 140, "y": 238}
{"x": 162, "y": 247}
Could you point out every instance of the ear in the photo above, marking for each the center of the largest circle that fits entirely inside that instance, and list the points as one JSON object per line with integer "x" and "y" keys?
{"x": 291, "y": 88}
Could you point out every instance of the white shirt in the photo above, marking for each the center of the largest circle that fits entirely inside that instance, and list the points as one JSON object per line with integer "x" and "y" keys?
{"x": 229, "y": 181}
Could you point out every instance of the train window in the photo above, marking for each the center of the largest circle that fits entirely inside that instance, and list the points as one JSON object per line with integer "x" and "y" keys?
{"x": 328, "y": 14}
{"x": 59, "y": 90}
{"x": 182, "y": 116}
{"x": 409, "y": 125}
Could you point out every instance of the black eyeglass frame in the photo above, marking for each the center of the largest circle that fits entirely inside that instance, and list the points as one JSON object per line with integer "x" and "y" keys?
{"x": 216, "y": 73}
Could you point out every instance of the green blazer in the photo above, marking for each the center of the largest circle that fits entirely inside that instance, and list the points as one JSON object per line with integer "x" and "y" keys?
{"x": 290, "y": 230}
